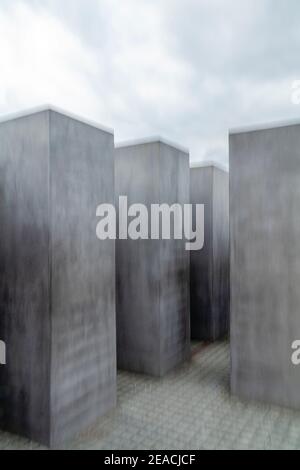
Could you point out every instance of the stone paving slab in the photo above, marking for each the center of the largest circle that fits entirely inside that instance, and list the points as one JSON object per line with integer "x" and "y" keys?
{"x": 191, "y": 408}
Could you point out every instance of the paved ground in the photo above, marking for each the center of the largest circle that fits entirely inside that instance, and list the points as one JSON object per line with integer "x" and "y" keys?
{"x": 189, "y": 409}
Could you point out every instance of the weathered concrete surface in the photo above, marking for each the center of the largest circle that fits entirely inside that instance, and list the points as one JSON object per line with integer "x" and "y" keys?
{"x": 209, "y": 278}
{"x": 265, "y": 269}
{"x": 153, "y": 327}
{"x": 57, "y": 293}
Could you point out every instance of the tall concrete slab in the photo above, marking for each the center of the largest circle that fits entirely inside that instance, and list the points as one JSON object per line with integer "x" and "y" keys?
{"x": 57, "y": 290}
{"x": 153, "y": 328}
{"x": 209, "y": 272}
{"x": 265, "y": 268}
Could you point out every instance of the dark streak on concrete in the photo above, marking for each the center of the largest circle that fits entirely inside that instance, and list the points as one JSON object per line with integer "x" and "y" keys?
{"x": 209, "y": 278}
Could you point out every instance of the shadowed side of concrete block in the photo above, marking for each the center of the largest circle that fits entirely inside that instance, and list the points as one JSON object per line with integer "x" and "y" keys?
{"x": 25, "y": 323}
{"x": 174, "y": 265}
{"x": 209, "y": 285}
{"x": 221, "y": 274}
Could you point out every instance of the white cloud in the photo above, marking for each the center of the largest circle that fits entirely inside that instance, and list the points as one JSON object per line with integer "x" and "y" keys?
{"x": 42, "y": 62}
{"x": 186, "y": 70}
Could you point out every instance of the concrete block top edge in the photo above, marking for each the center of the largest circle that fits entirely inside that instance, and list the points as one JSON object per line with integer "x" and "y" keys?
{"x": 264, "y": 126}
{"x": 218, "y": 166}
{"x": 152, "y": 140}
{"x": 55, "y": 109}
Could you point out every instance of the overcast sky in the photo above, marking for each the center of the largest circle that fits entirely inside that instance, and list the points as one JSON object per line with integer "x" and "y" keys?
{"x": 184, "y": 69}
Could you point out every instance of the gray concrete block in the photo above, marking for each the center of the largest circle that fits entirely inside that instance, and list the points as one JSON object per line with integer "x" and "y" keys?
{"x": 265, "y": 269}
{"x": 153, "y": 330}
{"x": 209, "y": 272}
{"x": 57, "y": 290}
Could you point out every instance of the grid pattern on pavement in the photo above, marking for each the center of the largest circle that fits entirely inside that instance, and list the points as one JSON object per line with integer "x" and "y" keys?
{"x": 191, "y": 408}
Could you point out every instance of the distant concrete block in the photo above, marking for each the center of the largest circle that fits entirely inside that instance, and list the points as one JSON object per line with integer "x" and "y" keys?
{"x": 265, "y": 268}
{"x": 209, "y": 276}
{"x": 57, "y": 294}
{"x": 153, "y": 329}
